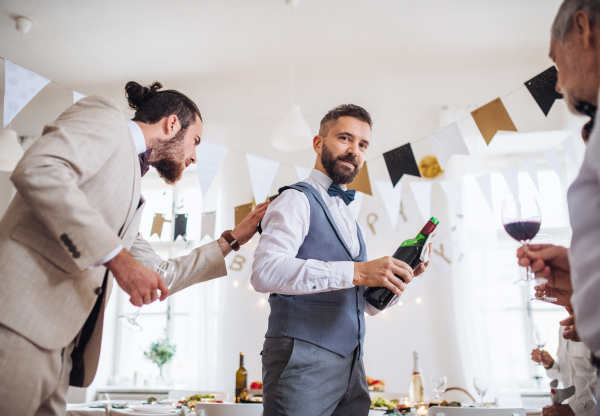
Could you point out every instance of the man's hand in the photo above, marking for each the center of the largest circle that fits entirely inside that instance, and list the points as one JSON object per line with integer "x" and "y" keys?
{"x": 381, "y": 273}
{"x": 139, "y": 282}
{"x": 245, "y": 229}
{"x": 550, "y": 262}
{"x": 542, "y": 357}
{"x": 558, "y": 410}
{"x": 563, "y": 298}
{"x": 570, "y": 332}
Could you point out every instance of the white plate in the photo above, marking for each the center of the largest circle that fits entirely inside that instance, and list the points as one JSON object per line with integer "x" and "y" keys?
{"x": 153, "y": 408}
{"x": 130, "y": 412}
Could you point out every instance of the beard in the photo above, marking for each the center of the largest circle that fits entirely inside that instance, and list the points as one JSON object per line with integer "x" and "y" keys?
{"x": 168, "y": 158}
{"x": 339, "y": 173}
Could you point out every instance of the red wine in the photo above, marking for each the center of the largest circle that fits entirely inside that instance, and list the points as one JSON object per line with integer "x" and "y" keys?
{"x": 408, "y": 252}
{"x": 522, "y": 230}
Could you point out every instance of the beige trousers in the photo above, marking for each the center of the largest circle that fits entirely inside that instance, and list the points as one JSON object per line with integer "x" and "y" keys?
{"x": 33, "y": 381}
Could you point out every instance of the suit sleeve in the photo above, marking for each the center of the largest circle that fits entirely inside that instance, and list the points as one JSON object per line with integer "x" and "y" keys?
{"x": 201, "y": 264}
{"x": 49, "y": 177}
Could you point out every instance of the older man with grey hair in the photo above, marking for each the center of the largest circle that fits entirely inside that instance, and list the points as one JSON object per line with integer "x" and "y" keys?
{"x": 574, "y": 274}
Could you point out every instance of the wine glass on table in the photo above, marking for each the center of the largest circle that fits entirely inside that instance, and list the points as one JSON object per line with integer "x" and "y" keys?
{"x": 522, "y": 219}
{"x": 481, "y": 386}
{"x": 543, "y": 239}
{"x": 166, "y": 271}
{"x": 439, "y": 386}
{"x": 540, "y": 337}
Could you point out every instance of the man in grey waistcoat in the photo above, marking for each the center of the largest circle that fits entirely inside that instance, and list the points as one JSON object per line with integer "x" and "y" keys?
{"x": 311, "y": 258}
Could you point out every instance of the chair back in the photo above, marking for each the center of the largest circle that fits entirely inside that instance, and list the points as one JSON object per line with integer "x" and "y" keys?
{"x": 474, "y": 411}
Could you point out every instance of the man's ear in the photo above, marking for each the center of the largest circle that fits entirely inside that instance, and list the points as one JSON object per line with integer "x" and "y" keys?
{"x": 171, "y": 125}
{"x": 583, "y": 28}
{"x": 317, "y": 143}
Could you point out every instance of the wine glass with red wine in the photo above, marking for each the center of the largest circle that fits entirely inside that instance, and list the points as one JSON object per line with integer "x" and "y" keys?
{"x": 522, "y": 219}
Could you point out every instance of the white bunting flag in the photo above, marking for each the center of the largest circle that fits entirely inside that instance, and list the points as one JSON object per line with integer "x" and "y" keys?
{"x": 453, "y": 190}
{"x": 77, "y": 96}
{"x": 391, "y": 200}
{"x": 512, "y": 180}
{"x": 303, "y": 173}
{"x": 446, "y": 142}
{"x": 20, "y": 86}
{"x": 485, "y": 184}
{"x": 421, "y": 190}
{"x": 373, "y": 224}
{"x": 531, "y": 167}
{"x": 210, "y": 156}
{"x": 571, "y": 151}
{"x": 552, "y": 158}
{"x": 262, "y": 175}
{"x": 356, "y": 204}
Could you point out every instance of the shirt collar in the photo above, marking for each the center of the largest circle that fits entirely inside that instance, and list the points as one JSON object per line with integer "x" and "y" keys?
{"x": 138, "y": 136}
{"x": 324, "y": 180}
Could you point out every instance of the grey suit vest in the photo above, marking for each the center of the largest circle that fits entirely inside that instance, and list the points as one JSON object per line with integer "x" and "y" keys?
{"x": 332, "y": 320}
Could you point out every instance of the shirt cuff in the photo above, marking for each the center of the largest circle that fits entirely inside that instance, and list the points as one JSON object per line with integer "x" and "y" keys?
{"x": 110, "y": 256}
{"x": 341, "y": 274}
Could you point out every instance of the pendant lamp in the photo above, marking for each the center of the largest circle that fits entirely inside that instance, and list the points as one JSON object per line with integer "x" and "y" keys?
{"x": 11, "y": 150}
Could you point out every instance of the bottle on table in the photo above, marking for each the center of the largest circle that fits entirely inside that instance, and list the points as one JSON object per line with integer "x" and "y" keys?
{"x": 416, "y": 390}
{"x": 241, "y": 382}
{"x": 408, "y": 252}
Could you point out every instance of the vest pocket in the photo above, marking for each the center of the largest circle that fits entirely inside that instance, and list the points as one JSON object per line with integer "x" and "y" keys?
{"x": 321, "y": 303}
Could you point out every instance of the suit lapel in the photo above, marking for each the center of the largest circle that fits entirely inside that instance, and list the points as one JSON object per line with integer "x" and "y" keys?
{"x": 137, "y": 184}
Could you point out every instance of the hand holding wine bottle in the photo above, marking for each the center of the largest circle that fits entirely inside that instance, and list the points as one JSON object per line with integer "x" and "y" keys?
{"x": 383, "y": 272}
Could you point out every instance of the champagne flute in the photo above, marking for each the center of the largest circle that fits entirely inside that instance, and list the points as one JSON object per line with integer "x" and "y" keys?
{"x": 522, "y": 219}
{"x": 540, "y": 337}
{"x": 166, "y": 271}
{"x": 481, "y": 386}
{"x": 543, "y": 239}
{"x": 439, "y": 386}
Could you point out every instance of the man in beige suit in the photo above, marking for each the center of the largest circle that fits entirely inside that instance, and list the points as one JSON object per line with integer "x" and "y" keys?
{"x": 73, "y": 226}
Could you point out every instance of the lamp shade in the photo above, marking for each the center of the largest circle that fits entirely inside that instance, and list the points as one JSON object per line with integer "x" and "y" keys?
{"x": 10, "y": 150}
{"x": 293, "y": 132}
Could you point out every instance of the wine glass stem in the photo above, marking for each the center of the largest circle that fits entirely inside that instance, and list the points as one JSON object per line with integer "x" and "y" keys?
{"x": 135, "y": 315}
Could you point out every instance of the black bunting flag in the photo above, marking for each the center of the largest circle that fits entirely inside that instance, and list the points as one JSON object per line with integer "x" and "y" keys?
{"x": 543, "y": 89}
{"x": 180, "y": 226}
{"x": 401, "y": 161}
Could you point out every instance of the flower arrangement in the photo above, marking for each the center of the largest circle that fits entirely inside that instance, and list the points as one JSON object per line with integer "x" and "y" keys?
{"x": 160, "y": 352}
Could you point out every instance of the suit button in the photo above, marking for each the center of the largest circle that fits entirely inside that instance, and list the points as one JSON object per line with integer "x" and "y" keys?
{"x": 72, "y": 248}
{"x": 359, "y": 335}
{"x": 314, "y": 287}
{"x": 98, "y": 291}
{"x": 64, "y": 238}
{"x": 76, "y": 254}
{"x": 358, "y": 312}
{"x": 68, "y": 242}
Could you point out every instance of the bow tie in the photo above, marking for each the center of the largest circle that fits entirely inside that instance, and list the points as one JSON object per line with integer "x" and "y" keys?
{"x": 335, "y": 190}
{"x": 144, "y": 166}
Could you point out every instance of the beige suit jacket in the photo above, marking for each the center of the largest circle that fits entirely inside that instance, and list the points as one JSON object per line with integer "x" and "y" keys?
{"x": 78, "y": 197}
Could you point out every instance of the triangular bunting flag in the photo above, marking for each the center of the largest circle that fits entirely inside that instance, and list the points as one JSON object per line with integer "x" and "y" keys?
{"x": 356, "y": 204}
{"x": 303, "y": 173}
{"x": 361, "y": 182}
{"x": 210, "y": 156}
{"x": 512, "y": 180}
{"x": 157, "y": 224}
{"x": 485, "y": 184}
{"x": 569, "y": 148}
{"x": 552, "y": 158}
{"x": 446, "y": 142}
{"x": 401, "y": 161}
{"x": 421, "y": 190}
{"x": 453, "y": 190}
{"x": 241, "y": 212}
{"x": 209, "y": 220}
{"x": 543, "y": 89}
{"x": 77, "y": 96}
{"x": 20, "y": 86}
{"x": 491, "y": 118}
{"x": 181, "y": 226}
{"x": 262, "y": 175}
{"x": 530, "y": 166}
{"x": 391, "y": 200}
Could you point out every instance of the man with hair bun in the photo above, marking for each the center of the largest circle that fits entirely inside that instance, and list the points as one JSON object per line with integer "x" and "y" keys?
{"x": 73, "y": 226}
{"x": 312, "y": 258}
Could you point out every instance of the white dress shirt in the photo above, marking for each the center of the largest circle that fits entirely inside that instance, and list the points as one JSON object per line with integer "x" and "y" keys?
{"x": 573, "y": 367}
{"x": 140, "y": 146}
{"x": 285, "y": 225}
{"x": 584, "y": 254}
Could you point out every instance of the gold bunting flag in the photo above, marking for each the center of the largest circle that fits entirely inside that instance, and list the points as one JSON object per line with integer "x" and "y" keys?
{"x": 491, "y": 118}
{"x": 361, "y": 182}
{"x": 242, "y": 211}
{"x": 157, "y": 224}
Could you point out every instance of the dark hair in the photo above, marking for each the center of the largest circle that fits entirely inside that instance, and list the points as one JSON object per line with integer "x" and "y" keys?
{"x": 152, "y": 105}
{"x": 344, "y": 110}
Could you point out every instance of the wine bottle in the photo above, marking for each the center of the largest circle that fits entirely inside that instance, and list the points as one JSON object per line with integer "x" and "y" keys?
{"x": 241, "y": 382}
{"x": 416, "y": 390}
{"x": 408, "y": 252}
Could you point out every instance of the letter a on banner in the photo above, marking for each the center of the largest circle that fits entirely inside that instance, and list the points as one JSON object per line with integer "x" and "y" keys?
{"x": 210, "y": 156}
{"x": 20, "y": 86}
{"x": 262, "y": 175}
{"x": 491, "y": 118}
